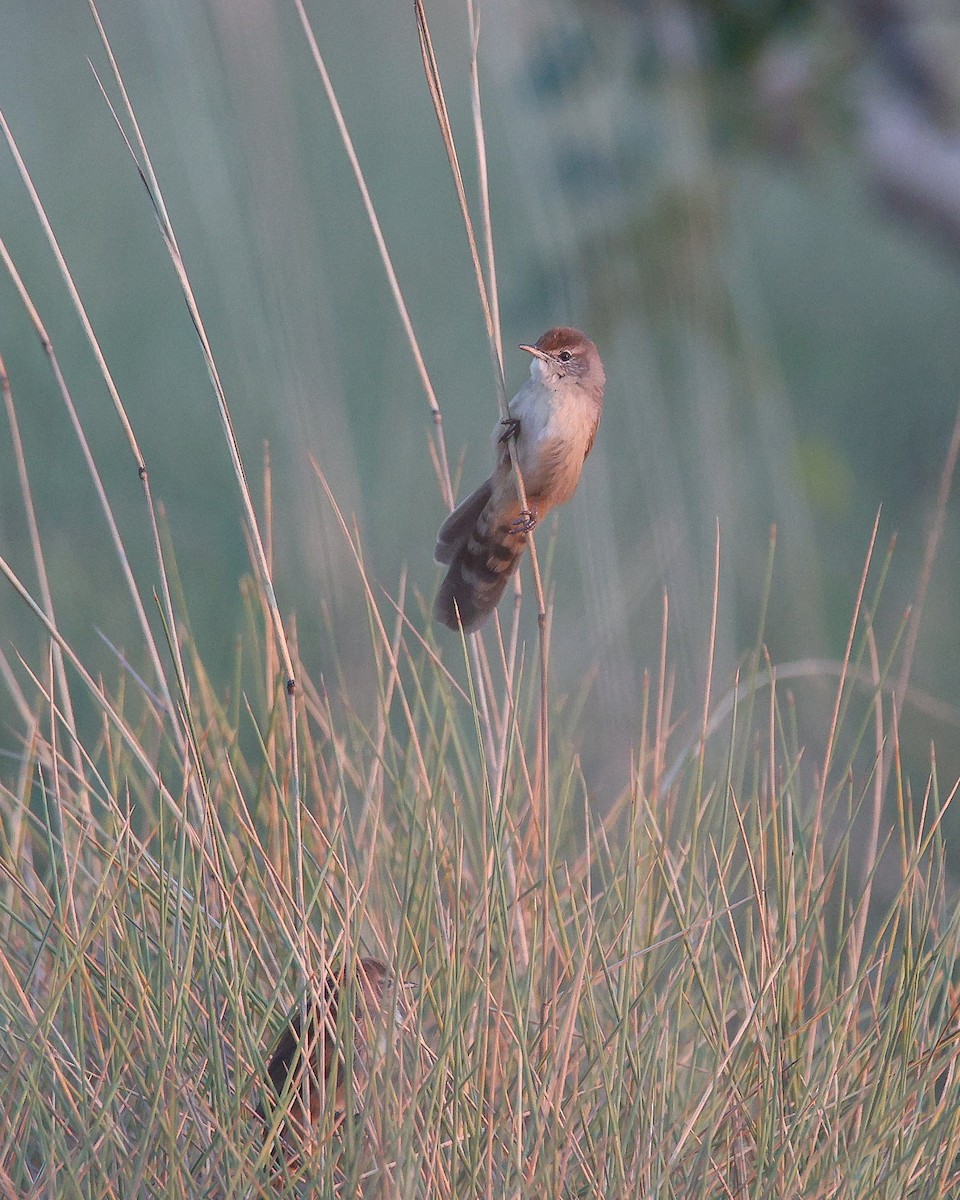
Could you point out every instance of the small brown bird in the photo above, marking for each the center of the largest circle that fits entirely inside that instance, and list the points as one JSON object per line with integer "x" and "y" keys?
{"x": 554, "y": 418}
{"x": 371, "y": 989}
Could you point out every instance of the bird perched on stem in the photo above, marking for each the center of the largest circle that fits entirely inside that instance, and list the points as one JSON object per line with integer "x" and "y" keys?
{"x": 315, "y": 1064}
{"x": 554, "y": 419}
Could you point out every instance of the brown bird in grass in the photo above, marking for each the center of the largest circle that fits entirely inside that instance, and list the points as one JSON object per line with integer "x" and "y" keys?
{"x": 371, "y": 990}
{"x": 554, "y": 418}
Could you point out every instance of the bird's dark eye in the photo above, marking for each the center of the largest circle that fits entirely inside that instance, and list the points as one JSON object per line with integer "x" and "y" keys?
{"x": 564, "y": 356}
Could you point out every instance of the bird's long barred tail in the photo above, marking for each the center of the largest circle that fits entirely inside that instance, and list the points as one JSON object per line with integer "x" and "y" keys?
{"x": 480, "y": 569}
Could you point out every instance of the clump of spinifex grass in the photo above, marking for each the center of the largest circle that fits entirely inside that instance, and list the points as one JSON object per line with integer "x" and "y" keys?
{"x": 695, "y": 1010}
{"x": 696, "y": 990}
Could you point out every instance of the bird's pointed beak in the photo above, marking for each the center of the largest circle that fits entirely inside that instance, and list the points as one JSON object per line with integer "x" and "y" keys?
{"x": 536, "y": 353}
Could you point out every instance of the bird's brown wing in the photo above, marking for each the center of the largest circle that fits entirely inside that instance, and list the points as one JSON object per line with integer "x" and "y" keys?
{"x": 591, "y": 440}
{"x": 287, "y": 1049}
{"x": 460, "y": 524}
{"x": 286, "y": 1061}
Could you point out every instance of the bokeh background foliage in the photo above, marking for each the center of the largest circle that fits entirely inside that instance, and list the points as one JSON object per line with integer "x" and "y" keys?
{"x": 750, "y": 207}
{"x": 697, "y": 185}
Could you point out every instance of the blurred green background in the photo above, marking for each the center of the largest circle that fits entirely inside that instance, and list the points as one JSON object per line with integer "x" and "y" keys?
{"x": 753, "y": 208}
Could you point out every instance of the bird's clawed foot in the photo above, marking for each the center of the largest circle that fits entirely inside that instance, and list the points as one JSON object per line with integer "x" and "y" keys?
{"x": 512, "y": 429}
{"x": 525, "y": 522}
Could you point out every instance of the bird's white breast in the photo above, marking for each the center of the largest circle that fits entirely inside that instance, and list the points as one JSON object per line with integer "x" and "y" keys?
{"x": 557, "y": 422}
